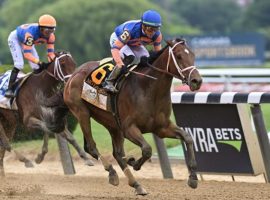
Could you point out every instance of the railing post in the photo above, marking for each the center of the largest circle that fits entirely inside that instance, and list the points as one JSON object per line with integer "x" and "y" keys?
{"x": 262, "y": 137}
{"x": 65, "y": 156}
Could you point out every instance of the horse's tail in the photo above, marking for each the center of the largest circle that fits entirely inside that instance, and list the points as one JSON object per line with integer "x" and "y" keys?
{"x": 53, "y": 111}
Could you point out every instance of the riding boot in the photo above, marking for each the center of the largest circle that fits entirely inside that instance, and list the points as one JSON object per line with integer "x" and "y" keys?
{"x": 9, "y": 92}
{"x": 109, "y": 87}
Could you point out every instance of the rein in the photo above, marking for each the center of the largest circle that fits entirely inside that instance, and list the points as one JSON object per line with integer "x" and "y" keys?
{"x": 180, "y": 71}
{"x": 57, "y": 70}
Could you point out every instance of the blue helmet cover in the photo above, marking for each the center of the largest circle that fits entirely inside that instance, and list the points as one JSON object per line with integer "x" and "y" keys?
{"x": 151, "y": 18}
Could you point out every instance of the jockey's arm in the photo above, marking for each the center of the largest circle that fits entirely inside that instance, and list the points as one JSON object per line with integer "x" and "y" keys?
{"x": 157, "y": 43}
{"x": 27, "y": 48}
{"x": 50, "y": 48}
{"x": 115, "y": 50}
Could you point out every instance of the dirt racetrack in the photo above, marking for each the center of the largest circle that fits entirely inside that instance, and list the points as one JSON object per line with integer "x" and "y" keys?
{"x": 46, "y": 181}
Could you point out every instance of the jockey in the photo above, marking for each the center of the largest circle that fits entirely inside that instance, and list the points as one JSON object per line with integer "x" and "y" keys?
{"x": 129, "y": 39}
{"x": 22, "y": 43}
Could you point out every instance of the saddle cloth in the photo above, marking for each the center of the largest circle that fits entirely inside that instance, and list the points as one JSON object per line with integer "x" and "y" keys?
{"x": 5, "y": 102}
{"x": 92, "y": 91}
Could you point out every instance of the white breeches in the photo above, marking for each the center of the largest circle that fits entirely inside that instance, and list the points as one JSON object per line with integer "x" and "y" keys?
{"x": 17, "y": 52}
{"x": 137, "y": 51}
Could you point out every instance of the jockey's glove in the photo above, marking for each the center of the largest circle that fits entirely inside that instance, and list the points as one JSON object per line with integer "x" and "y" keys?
{"x": 124, "y": 69}
{"x": 42, "y": 65}
{"x": 144, "y": 60}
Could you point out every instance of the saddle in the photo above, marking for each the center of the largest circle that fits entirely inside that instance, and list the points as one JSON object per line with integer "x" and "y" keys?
{"x": 93, "y": 91}
{"x": 5, "y": 102}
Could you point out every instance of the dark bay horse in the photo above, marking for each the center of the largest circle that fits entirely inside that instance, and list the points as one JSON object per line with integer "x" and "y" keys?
{"x": 29, "y": 111}
{"x": 143, "y": 106}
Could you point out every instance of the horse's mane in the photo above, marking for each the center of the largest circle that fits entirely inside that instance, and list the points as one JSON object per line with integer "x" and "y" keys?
{"x": 60, "y": 52}
{"x": 155, "y": 55}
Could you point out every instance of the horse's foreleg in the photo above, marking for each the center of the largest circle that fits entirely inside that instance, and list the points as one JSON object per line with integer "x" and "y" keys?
{"x": 69, "y": 137}
{"x": 192, "y": 164}
{"x": 175, "y": 132}
{"x": 44, "y": 150}
{"x": 2, "y": 155}
{"x": 135, "y": 136}
{"x": 119, "y": 154}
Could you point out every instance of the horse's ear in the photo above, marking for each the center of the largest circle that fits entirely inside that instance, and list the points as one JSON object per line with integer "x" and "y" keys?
{"x": 169, "y": 42}
{"x": 56, "y": 53}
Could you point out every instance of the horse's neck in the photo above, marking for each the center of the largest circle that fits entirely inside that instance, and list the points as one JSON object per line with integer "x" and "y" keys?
{"x": 46, "y": 82}
{"x": 158, "y": 86}
{"x": 164, "y": 81}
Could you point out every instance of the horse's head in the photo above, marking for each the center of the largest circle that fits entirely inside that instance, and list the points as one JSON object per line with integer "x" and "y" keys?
{"x": 62, "y": 66}
{"x": 180, "y": 63}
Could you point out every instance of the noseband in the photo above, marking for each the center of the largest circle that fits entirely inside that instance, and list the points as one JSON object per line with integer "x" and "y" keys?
{"x": 57, "y": 70}
{"x": 179, "y": 69}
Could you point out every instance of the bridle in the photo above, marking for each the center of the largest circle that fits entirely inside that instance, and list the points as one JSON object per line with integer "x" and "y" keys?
{"x": 57, "y": 70}
{"x": 179, "y": 69}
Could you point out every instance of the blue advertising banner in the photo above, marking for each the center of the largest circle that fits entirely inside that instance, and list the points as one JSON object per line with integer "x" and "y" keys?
{"x": 228, "y": 50}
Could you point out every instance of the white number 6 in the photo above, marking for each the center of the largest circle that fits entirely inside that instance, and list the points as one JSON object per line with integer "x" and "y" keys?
{"x": 124, "y": 36}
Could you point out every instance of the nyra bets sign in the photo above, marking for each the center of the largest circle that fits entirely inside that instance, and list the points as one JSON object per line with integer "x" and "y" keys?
{"x": 219, "y": 141}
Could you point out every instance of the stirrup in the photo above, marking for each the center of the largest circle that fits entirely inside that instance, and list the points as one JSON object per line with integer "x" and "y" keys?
{"x": 110, "y": 88}
{"x": 9, "y": 94}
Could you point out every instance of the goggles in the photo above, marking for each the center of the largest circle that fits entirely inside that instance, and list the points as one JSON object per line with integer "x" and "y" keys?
{"x": 48, "y": 29}
{"x": 152, "y": 29}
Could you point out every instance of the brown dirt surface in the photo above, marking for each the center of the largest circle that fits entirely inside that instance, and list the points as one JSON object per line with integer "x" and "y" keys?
{"x": 47, "y": 181}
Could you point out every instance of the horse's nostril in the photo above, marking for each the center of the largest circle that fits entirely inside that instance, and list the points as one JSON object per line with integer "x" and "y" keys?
{"x": 196, "y": 81}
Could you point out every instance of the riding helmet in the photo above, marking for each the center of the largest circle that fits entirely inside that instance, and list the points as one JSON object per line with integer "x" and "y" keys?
{"x": 151, "y": 18}
{"x": 47, "y": 21}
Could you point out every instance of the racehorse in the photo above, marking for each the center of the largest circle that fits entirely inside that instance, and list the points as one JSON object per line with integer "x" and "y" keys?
{"x": 143, "y": 106}
{"x": 30, "y": 114}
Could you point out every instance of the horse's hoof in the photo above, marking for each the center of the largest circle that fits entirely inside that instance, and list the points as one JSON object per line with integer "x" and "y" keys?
{"x": 136, "y": 167}
{"x": 131, "y": 161}
{"x": 28, "y": 164}
{"x": 193, "y": 183}
{"x": 94, "y": 154}
{"x": 7, "y": 147}
{"x": 89, "y": 162}
{"x": 114, "y": 179}
{"x": 140, "y": 191}
{"x": 38, "y": 160}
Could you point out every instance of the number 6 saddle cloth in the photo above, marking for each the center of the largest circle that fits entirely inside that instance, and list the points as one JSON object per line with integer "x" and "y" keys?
{"x": 93, "y": 91}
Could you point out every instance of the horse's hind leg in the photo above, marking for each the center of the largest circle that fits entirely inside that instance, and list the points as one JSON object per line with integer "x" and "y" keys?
{"x": 80, "y": 111}
{"x": 44, "y": 150}
{"x": 2, "y": 155}
{"x": 4, "y": 141}
{"x": 23, "y": 159}
{"x": 119, "y": 154}
{"x": 69, "y": 137}
{"x": 83, "y": 118}
{"x": 135, "y": 136}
